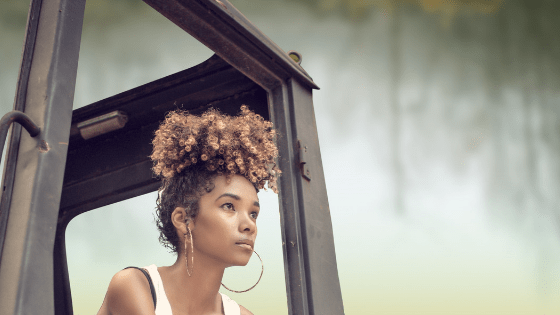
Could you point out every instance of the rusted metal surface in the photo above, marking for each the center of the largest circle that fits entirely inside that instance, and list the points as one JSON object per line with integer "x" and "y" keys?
{"x": 45, "y": 93}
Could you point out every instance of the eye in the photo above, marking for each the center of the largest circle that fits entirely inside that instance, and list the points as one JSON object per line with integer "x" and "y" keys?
{"x": 254, "y": 215}
{"x": 228, "y": 206}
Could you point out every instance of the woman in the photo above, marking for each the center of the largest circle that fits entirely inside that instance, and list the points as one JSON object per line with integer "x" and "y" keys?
{"x": 212, "y": 167}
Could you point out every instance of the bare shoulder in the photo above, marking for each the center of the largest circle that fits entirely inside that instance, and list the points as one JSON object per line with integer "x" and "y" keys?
{"x": 244, "y": 311}
{"x": 128, "y": 293}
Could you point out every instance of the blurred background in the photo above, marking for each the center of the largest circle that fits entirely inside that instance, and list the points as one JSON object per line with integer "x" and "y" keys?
{"x": 440, "y": 136}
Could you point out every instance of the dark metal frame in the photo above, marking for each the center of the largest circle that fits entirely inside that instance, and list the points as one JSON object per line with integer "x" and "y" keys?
{"x": 51, "y": 179}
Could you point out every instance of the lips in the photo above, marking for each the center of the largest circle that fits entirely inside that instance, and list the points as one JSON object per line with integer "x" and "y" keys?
{"x": 246, "y": 243}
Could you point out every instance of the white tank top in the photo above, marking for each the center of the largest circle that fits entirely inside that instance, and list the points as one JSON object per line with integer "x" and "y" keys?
{"x": 164, "y": 308}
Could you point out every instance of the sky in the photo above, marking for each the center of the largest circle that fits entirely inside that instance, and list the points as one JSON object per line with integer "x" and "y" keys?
{"x": 440, "y": 159}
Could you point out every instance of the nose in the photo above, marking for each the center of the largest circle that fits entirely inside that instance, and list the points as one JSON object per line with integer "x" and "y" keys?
{"x": 247, "y": 224}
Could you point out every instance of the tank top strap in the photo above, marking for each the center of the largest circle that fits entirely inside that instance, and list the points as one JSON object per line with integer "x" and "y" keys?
{"x": 162, "y": 307}
{"x": 230, "y": 306}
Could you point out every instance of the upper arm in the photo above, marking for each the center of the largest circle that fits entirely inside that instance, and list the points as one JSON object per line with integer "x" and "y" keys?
{"x": 245, "y": 311}
{"x": 128, "y": 293}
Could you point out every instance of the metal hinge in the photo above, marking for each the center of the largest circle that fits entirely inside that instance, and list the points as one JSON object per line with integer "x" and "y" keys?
{"x": 303, "y": 160}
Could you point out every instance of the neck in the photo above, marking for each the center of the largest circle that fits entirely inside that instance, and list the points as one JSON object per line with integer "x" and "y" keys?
{"x": 197, "y": 293}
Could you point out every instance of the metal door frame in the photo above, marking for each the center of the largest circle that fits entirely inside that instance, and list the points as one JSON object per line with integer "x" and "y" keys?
{"x": 35, "y": 167}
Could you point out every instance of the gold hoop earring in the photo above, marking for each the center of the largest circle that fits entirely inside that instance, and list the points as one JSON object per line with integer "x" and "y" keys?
{"x": 192, "y": 253}
{"x": 262, "y": 271}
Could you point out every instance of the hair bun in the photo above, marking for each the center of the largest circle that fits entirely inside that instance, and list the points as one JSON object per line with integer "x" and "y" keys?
{"x": 242, "y": 144}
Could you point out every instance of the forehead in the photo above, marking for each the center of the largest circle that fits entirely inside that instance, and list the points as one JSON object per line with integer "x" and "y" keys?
{"x": 237, "y": 184}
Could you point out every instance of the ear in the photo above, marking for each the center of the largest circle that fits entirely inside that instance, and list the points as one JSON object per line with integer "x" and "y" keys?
{"x": 180, "y": 220}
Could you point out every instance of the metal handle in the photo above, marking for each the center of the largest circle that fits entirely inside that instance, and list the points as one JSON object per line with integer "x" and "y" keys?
{"x": 22, "y": 119}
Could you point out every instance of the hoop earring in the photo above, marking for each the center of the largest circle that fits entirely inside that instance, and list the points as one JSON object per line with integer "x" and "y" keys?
{"x": 192, "y": 253}
{"x": 262, "y": 264}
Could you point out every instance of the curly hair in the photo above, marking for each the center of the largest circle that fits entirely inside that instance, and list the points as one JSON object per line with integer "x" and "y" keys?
{"x": 189, "y": 151}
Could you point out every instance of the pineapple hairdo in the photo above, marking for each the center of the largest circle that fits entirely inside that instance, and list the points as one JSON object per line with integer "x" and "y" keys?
{"x": 189, "y": 151}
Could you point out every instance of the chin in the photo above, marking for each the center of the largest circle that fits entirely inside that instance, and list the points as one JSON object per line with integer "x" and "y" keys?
{"x": 240, "y": 261}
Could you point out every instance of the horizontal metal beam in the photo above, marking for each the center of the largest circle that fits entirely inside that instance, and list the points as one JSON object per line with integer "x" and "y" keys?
{"x": 222, "y": 28}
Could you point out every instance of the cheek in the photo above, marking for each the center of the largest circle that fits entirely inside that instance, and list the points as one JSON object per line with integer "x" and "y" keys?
{"x": 218, "y": 228}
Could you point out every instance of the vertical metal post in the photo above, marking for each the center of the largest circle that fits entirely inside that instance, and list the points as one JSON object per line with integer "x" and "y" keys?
{"x": 19, "y": 105}
{"x": 312, "y": 283}
{"x": 292, "y": 245}
{"x": 45, "y": 93}
{"x": 321, "y": 272}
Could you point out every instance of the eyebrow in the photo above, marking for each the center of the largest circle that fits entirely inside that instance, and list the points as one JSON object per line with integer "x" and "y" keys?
{"x": 236, "y": 197}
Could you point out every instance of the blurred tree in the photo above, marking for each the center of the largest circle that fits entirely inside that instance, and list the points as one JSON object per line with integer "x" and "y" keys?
{"x": 13, "y": 13}
{"x": 447, "y": 9}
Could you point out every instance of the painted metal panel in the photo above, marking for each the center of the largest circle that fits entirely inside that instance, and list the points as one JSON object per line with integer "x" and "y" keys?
{"x": 45, "y": 93}
{"x": 321, "y": 272}
{"x": 312, "y": 282}
{"x": 291, "y": 225}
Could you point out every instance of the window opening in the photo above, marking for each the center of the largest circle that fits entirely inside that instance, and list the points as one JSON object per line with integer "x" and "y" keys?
{"x": 99, "y": 243}
{"x": 126, "y": 44}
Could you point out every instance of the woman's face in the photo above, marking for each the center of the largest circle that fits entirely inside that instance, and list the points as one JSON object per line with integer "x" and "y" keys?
{"x": 226, "y": 225}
